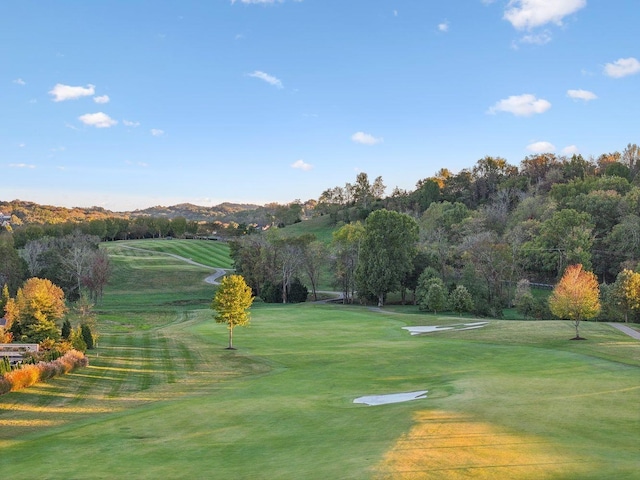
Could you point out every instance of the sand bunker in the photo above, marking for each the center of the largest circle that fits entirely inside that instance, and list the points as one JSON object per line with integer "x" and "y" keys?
{"x": 457, "y": 327}
{"x": 391, "y": 398}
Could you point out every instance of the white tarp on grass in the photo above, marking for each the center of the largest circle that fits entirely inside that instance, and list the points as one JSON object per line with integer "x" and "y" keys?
{"x": 457, "y": 327}
{"x": 391, "y": 398}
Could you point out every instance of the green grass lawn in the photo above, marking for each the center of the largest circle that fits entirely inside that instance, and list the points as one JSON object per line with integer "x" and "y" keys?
{"x": 322, "y": 227}
{"x": 212, "y": 253}
{"x": 163, "y": 398}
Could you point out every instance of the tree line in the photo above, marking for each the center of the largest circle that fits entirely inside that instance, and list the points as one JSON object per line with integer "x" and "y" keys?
{"x": 484, "y": 229}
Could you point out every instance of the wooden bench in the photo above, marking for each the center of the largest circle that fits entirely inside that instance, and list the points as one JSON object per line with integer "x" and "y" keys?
{"x": 15, "y": 351}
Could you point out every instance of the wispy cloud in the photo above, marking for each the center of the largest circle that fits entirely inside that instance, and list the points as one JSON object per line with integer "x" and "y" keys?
{"x": 21, "y": 165}
{"x": 156, "y": 132}
{"x": 129, "y": 123}
{"x": 365, "y": 138}
{"x": 301, "y": 165}
{"x": 622, "y": 67}
{"x": 528, "y": 14}
{"x": 98, "y": 120}
{"x": 444, "y": 26}
{"x": 102, "y": 99}
{"x": 265, "y": 77}
{"x": 579, "y": 94}
{"x": 570, "y": 150}
{"x": 521, "y": 105}
{"x": 19, "y": 81}
{"x": 541, "y": 38}
{"x": 67, "y": 92}
{"x": 541, "y": 147}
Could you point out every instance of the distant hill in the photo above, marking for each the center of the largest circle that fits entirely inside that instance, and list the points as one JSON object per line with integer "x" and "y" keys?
{"x": 25, "y": 212}
{"x": 222, "y": 212}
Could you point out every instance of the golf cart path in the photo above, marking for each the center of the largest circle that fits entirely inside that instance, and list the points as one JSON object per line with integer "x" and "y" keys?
{"x": 628, "y": 330}
{"x": 212, "y": 279}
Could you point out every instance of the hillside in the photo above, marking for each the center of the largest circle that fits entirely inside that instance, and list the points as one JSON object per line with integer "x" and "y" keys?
{"x": 222, "y": 212}
{"x": 25, "y": 212}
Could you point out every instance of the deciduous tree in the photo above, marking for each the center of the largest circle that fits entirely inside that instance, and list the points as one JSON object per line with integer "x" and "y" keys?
{"x": 34, "y": 311}
{"x": 231, "y": 304}
{"x": 460, "y": 300}
{"x": 346, "y": 253}
{"x": 386, "y": 256}
{"x": 576, "y": 297}
{"x": 627, "y": 291}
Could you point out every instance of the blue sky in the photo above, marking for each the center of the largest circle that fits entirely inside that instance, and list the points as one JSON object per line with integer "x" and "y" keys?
{"x": 128, "y": 104}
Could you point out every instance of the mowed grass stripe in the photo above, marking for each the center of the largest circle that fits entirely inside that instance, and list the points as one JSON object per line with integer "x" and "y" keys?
{"x": 214, "y": 254}
{"x": 281, "y": 405}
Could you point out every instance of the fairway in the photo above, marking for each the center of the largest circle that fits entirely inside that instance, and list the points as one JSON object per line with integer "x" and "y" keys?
{"x": 162, "y": 398}
{"x": 206, "y": 252}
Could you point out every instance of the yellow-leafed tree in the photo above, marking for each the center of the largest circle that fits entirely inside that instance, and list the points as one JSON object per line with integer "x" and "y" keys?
{"x": 576, "y": 297}
{"x": 628, "y": 283}
{"x": 231, "y": 303}
{"x": 33, "y": 313}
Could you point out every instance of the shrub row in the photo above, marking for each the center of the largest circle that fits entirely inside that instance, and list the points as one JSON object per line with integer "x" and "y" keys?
{"x": 31, "y": 374}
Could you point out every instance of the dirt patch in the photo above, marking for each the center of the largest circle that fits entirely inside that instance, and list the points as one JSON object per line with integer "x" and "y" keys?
{"x": 445, "y": 446}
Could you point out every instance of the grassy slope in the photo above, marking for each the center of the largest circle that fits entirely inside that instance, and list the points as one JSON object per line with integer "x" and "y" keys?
{"x": 321, "y": 227}
{"x": 517, "y": 399}
{"x": 214, "y": 254}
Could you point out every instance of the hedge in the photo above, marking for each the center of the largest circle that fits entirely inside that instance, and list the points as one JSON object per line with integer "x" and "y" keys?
{"x": 29, "y": 375}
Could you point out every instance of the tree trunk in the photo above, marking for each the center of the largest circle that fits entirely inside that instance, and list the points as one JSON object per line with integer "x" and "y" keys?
{"x": 381, "y": 300}
{"x": 230, "y": 347}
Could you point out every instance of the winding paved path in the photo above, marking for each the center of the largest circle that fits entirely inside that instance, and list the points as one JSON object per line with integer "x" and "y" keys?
{"x": 212, "y": 279}
{"x": 628, "y": 330}
{"x": 220, "y": 272}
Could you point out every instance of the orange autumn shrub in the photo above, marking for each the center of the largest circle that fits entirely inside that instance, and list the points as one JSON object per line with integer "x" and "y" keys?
{"x": 27, "y": 375}
{"x": 23, "y": 377}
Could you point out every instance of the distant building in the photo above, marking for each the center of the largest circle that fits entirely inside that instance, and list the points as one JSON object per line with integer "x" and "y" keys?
{"x": 5, "y": 220}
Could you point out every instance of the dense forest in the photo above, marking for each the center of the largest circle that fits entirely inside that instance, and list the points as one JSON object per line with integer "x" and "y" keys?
{"x": 487, "y": 228}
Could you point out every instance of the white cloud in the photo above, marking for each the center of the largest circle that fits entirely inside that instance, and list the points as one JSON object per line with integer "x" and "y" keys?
{"x": 585, "y": 95}
{"x": 537, "y": 39}
{"x": 19, "y": 81}
{"x": 98, "y": 120}
{"x": 129, "y": 123}
{"x": 21, "y": 165}
{"x": 22, "y": 145}
{"x": 270, "y": 79}
{"x": 66, "y": 92}
{"x": 570, "y": 150}
{"x": 521, "y": 105}
{"x": 444, "y": 26}
{"x": 365, "y": 138}
{"x": 301, "y": 165}
{"x": 622, "y": 67}
{"x": 527, "y": 14}
{"x": 541, "y": 147}
{"x": 102, "y": 99}
{"x": 156, "y": 132}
